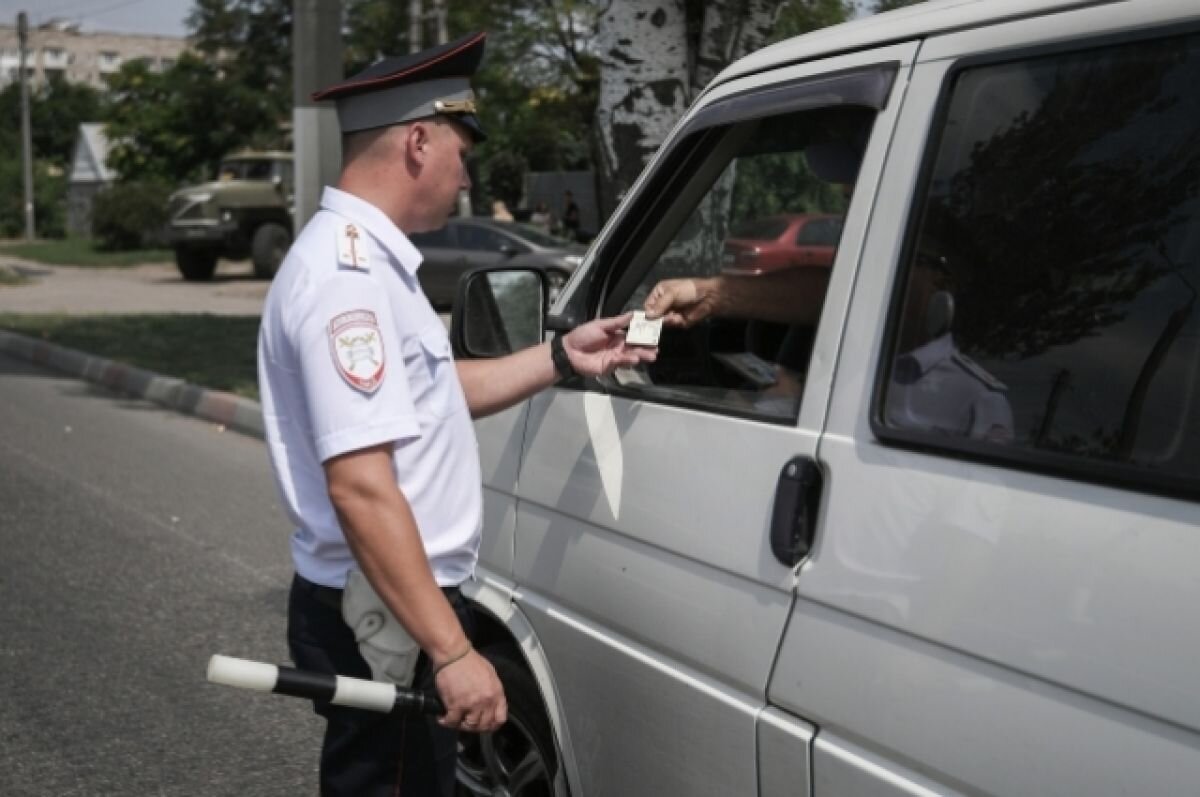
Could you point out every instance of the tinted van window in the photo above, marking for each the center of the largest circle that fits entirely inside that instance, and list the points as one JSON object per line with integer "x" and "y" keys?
{"x": 1049, "y": 307}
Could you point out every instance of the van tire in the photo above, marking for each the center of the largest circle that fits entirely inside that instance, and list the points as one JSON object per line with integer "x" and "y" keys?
{"x": 196, "y": 265}
{"x": 268, "y": 247}
{"x": 519, "y": 758}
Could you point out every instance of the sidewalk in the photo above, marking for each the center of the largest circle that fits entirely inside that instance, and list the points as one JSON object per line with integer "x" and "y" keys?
{"x": 152, "y": 288}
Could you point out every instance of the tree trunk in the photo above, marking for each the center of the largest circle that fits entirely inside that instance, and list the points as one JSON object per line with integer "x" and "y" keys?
{"x": 643, "y": 52}
{"x": 656, "y": 56}
{"x": 729, "y": 30}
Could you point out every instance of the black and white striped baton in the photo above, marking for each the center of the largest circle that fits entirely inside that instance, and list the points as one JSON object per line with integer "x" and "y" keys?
{"x": 338, "y": 689}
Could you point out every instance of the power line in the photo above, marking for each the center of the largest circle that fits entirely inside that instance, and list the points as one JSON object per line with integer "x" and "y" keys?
{"x": 81, "y": 11}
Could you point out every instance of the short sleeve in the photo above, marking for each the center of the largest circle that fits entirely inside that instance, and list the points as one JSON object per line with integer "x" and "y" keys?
{"x": 351, "y": 370}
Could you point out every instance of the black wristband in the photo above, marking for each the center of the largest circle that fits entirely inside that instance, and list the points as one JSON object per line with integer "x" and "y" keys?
{"x": 562, "y": 363}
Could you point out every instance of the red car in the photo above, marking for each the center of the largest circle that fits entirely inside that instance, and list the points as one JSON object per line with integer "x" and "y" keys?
{"x": 775, "y": 242}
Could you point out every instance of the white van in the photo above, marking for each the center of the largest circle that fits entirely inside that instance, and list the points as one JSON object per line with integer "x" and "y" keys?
{"x": 942, "y": 537}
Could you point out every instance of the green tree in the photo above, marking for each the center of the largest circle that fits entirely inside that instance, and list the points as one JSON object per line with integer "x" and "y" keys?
{"x": 49, "y": 198}
{"x": 888, "y": 5}
{"x": 251, "y": 41}
{"x": 803, "y": 16}
{"x": 166, "y": 126}
{"x": 536, "y": 86}
{"x": 55, "y": 110}
{"x": 506, "y": 177}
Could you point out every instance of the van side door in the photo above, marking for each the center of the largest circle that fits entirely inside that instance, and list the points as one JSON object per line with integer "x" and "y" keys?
{"x": 1002, "y": 597}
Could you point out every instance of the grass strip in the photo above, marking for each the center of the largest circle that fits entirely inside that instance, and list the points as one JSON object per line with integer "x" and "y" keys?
{"x": 211, "y": 351}
{"x": 81, "y": 252}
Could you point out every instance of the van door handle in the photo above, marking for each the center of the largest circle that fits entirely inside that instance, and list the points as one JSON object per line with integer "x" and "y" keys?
{"x": 794, "y": 519}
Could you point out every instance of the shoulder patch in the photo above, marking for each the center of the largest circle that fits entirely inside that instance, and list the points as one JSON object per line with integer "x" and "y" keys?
{"x": 357, "y": 349}
{"x": 978, "y": 371}
{"x": 352, "y": 249}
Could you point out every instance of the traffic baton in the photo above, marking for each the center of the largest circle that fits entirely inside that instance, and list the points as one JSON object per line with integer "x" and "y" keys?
{"x": 338, "y": 689}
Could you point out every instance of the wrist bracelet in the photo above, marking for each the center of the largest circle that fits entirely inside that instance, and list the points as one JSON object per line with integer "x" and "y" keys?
{"x": 562, "y": 363}
{"x": 451, "y": 660}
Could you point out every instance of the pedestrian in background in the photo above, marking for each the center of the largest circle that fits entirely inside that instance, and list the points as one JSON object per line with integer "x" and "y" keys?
{"x": 500, "y": 211}
{"x": 570, "y": 216}
{"x": 541, "y": 217}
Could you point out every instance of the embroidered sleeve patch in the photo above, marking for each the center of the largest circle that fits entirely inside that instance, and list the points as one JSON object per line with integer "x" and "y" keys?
{"x": 357, "y": 348}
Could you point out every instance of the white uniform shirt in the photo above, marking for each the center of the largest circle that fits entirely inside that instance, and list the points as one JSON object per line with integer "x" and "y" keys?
{"x": 936, "y": 388}
{"x": 351, "y": 355}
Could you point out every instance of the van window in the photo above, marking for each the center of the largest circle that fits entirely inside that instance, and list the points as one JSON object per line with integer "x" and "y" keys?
{"x": 771, "y": 177}
{"x": 1049, "y": 305}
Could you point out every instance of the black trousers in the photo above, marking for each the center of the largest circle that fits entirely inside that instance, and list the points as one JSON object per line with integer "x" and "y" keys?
{"x": 365, "y": 753}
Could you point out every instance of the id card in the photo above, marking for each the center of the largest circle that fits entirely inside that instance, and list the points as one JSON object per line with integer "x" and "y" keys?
{"x": 642, "y": 331}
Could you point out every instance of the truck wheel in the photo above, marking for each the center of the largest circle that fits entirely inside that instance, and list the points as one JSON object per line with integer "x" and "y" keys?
{"x": 519, "y": 758}
{"x": 270, "y": 244}
{"x": 196, "y": 265}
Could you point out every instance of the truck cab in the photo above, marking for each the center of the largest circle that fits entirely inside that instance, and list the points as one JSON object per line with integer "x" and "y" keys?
{"x": 246, "y": 211}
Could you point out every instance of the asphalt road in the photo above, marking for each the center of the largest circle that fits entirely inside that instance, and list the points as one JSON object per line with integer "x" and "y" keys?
{"x": 137, "y": 542}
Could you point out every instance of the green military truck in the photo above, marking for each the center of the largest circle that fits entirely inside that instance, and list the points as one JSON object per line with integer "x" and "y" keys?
{"x": 245, "y": 212}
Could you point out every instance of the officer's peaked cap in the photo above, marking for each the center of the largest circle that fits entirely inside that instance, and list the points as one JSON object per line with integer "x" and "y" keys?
{"x": 402, "y": 88}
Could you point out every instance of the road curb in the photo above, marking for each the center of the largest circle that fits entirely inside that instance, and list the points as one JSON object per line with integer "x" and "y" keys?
{"x": 233, "y": 412}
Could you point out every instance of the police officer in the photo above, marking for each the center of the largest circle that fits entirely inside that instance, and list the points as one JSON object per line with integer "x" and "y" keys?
{"x": 368, "y": 421}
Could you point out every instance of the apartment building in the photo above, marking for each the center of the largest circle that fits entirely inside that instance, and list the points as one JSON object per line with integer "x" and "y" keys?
{"x": 60, "y": 48}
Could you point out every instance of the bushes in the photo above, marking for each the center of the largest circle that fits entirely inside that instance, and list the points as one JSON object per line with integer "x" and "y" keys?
{"x": 506, "y": 177}
{"x": 130, "y": 215}
{"x": 49, "y": 199}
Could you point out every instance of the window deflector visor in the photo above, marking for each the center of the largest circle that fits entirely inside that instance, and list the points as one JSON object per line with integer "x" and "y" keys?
{"x": 867, "y": 88}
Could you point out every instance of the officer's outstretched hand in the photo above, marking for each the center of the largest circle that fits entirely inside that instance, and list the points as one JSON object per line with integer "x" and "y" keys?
{"x": 472, "y": 694}
{"x": 598, "y": 347}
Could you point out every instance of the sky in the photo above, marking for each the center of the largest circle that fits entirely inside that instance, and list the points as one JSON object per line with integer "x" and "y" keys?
{"x": 163, "y": 17}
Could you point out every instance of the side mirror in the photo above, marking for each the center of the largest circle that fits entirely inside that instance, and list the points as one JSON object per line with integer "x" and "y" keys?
{"x": 508, "y": 250}
{"x": 498, "y": 311}
{"x": 277, "y": 181}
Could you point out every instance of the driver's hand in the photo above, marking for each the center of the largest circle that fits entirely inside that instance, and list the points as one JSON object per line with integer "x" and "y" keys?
{"x": 682, "y": 302}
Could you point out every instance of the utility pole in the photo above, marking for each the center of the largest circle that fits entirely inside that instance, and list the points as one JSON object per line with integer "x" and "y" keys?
{"x": 415, "y": 20}
{"x": 26, "y": 133}
{"x": 439, "y": 15}
{"x": 316, "y": 138}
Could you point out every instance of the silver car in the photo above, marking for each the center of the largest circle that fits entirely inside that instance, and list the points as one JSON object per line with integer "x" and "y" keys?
{"x": 468, "y": 243}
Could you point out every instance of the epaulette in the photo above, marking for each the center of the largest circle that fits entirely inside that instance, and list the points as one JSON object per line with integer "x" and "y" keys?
{"x": 978, "y": 371}
{"x": 352, "y": 247}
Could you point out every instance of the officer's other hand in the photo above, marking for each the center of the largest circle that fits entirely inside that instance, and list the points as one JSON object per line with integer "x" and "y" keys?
{"x": 682, "y": 302}
{"x": 598, "y": 347}
{"x": 472, "y": 694}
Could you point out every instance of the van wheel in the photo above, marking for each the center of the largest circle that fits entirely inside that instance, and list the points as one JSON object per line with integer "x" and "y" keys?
{"x": 267, "y": 249}
{"x": 196, "y": 265}
{"x": 518, "y": 759}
